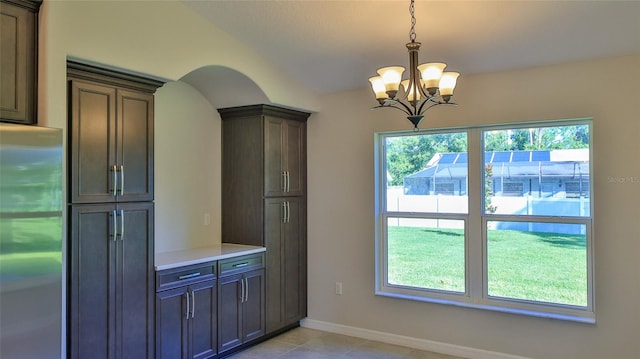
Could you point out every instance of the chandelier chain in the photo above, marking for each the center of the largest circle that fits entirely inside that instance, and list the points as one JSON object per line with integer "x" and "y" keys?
{"x": 412, "y": 33}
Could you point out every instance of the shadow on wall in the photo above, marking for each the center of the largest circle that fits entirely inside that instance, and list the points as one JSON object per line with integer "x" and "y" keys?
{"x": 225, "y": 87}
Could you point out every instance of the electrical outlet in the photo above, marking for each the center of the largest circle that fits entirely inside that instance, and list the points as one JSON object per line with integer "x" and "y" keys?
{"x": 207, "y": 219}
{"x": 338, "y": 288}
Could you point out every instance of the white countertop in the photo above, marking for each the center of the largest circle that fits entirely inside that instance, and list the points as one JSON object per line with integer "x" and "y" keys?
{"x": 168, "y": 260}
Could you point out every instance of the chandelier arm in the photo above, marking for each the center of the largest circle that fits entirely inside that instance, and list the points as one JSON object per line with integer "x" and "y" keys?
{"x": 393, "y": 105}
{"x": 408, "y": 110}
{"x": 434, "y": 104}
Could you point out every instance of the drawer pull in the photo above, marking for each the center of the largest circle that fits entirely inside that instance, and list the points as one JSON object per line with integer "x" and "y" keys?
{"x": 243, "y": 264}
{"x": 187, "y": 276}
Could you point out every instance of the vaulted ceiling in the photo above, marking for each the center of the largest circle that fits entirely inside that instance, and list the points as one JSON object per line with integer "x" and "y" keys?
{"x": 332, "y": 46}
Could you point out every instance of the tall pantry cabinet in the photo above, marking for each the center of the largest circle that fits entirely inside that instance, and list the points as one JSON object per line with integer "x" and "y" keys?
{"x": 264, "y": 200}
{"x": 110, "y": 176}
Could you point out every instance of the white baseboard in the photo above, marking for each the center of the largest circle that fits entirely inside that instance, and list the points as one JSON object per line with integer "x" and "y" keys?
{"x": 410, "y": 342}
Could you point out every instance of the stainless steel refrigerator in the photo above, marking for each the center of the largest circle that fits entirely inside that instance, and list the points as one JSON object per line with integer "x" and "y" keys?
{"x": 31, "y": 203}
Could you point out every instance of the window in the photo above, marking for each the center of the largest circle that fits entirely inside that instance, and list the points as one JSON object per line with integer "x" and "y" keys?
{"x": 496, "y": 218}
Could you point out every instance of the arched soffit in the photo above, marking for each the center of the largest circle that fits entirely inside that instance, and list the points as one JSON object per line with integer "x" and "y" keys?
{"x": 225, "y": 87}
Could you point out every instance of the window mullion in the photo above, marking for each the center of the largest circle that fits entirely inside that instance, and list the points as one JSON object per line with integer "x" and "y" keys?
{"x": 474, "y": 233}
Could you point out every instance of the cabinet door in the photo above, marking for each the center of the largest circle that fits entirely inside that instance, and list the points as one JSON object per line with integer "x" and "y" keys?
{"x": 229, "y": 312}
{"x": 253, "y": 306}
{"x": 93, "y": 143}
{"x": 295, "y": 157}
{"x": 294, "y": 262}
{"x": 134, "y": 146}
{"x": 18, "y": 63}
{"x": 274, "y": 166}
{"x": 171, "y": 324}
{"x": 92, "y": 277}
{"x": 284, "y": 156}
{"x": 134, "y": 281}
{"x": 203, "y": 322}
{"x": 273, "y": 233}
{"x": 110, "y": 308}
{"x": 285, "y": 228}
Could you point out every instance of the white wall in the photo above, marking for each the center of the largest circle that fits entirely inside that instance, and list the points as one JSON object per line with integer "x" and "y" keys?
{"x": 341, "y": 210}
{"x": 187, "y": 169}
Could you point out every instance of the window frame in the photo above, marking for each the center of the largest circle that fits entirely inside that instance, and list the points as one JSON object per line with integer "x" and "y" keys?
{"x": 475, "y": 222}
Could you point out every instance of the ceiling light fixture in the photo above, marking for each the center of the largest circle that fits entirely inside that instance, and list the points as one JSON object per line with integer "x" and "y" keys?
{"x": 426, "y": 87}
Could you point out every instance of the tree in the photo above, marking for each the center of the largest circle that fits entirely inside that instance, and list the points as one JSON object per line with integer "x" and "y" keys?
{"x": 409, "y": 154}
{"x": 540, "y": 138}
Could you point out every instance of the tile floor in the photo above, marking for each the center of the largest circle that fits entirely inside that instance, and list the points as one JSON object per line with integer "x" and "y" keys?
{"x": 304, "y": 343}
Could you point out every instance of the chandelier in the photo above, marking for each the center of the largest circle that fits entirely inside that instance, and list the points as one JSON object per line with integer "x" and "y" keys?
{"x": 427, "y": 86}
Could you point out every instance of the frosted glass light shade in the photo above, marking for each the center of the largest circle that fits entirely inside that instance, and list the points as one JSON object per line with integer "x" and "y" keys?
{"x": 448, "y": 83}
{"x": 391, "y": 76}
{"x": 411, "y": 96}
{"x": 431, "y": 73}
{"x": 377, "y": 84}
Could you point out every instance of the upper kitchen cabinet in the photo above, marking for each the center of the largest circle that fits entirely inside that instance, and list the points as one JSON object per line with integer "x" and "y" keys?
{"x": 276, "y": 139}
{"x": 110, "y": 135}
{"x": 284, "y": 165}
{"x": 19, "y": 60}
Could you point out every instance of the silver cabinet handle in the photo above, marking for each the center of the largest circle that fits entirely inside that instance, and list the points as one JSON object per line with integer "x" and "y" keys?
{"x": 284, "y": 212}
{"x": 287, "y": 212}
{"x": 121, "y": 180}
{"x": 287, "y": 181}
{"x": 241, "y": 290}
{"x": 115, "y": 180}
{"x": 240, "y": 265}
{"x": 122, "y": 224}
{"x": 187, "y": 276}
{"x": 186, "y": 314}
{"x": 246, "y": 292}
{"x": 284, "y": 181}
{"x": 115, "y": 226}
{"x": 193, "y": 303}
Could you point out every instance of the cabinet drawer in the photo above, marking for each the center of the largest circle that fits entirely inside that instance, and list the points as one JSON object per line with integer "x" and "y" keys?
{"x": 176, "y": 277}
{"x": 241, "y": 264}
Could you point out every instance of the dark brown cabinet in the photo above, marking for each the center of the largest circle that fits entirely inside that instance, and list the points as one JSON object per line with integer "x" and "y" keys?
{"x": 186, "y": 314}
{"x": 284, "y": 164}
{"x": 18, "y": 60}
{"x": 286, "y": 259}
{"x": 111, "y": 252}
{"x": 112, "y": 137}
{"x": 264, "y": 200}
{"x": 241, "y": 301}
{"x": 111, "y": 255}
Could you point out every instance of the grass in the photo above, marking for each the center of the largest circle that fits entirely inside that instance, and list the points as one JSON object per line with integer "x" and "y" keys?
{"x": 543, "y": 267}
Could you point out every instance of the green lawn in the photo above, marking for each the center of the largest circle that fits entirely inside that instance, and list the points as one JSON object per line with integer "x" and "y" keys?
{"x": 545, "y": 267}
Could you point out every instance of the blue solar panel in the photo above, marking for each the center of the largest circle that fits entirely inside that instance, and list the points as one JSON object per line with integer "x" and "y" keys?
{"x": 521, "y": 156}
{"x": 502, "y": 157}
{"x": 447, "y": 158}
{"x": 487, "y": 157}
{"x": 462, "y": 158}
{"x": 540, "y": 156}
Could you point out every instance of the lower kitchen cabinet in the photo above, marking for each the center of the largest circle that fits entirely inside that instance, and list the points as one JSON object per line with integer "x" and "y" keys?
{"x": 241, "y": 301}
{"x": 110, "y": 281}
{"x": 186, "y": 317}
